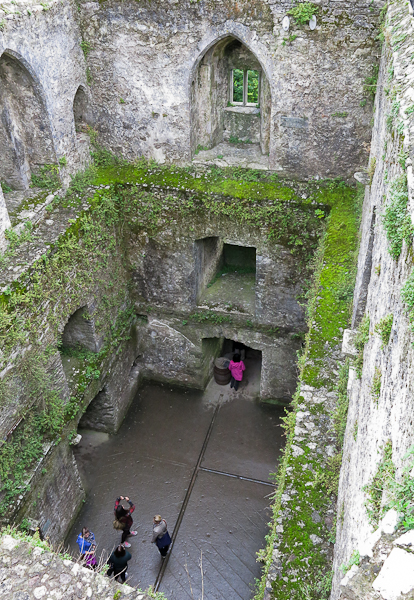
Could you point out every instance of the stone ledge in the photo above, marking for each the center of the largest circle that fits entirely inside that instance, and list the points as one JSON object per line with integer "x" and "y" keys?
{"x": 348, "y": 343}
{"x": 244, "y": 110}
{"x": 31, "y": 570}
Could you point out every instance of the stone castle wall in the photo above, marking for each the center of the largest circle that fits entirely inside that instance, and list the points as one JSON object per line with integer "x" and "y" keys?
{"x": 90, "y": 308}
{"x": 375, "y": 420}
{"x": 135, "y": 77}
{"x": 139, "y": 62}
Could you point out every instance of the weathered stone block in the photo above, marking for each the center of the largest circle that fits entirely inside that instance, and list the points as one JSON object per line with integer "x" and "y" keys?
{"x": 396, "y": 576}
{"x": 348, "y": 347}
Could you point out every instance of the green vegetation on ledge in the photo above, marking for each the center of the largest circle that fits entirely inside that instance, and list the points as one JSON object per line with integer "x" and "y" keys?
{"x": 383, "y": 328}
{"x": 303, "y": 12}
{"x": 360, "y": 340}
{"x": 396, "y": 218}
{"x": 144, "y": 198}
{"x": 328, "y": 314}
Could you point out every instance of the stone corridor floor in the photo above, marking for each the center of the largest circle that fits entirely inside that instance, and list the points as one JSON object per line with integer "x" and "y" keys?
{"x": 153, "y": 458}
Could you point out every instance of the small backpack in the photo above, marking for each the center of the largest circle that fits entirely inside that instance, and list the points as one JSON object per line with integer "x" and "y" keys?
{"x": 118, "y": 524}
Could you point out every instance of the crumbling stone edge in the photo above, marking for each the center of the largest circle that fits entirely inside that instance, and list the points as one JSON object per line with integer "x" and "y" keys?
{"x": 30, "y": 566}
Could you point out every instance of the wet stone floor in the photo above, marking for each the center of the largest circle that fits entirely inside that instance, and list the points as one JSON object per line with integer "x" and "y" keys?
{"x": 171, "y": 438}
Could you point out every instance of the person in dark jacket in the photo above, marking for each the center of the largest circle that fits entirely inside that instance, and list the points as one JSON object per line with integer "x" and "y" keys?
{"x": 118, "y": 563}
{"x": 160, "y": 535}
{"x": 123, "y": 515}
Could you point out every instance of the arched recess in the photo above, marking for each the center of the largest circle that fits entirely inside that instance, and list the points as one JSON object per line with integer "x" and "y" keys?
{"x": 81, "y": 110}
{"x": 215, "y": 117}
{"x": 26, "y": 142}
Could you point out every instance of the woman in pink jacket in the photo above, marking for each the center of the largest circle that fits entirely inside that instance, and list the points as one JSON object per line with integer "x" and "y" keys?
{"x": 236, "y": 367}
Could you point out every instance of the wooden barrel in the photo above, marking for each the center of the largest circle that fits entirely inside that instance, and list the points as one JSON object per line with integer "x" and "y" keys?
{"x": 222, "y": 374}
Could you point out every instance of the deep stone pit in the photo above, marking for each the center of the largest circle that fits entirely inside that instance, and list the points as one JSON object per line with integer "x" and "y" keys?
{"x": 118, "y": 295}
{"x": 152, "y": 459}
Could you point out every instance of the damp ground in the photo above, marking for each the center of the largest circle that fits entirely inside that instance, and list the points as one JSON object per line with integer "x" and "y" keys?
{"x": 224, "y": 446}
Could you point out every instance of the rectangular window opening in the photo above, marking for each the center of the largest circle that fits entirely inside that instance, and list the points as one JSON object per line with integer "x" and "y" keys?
{"x": 252, "y": 87}
{"x": 238, "y": 86}
{"x": 239, "y": 259}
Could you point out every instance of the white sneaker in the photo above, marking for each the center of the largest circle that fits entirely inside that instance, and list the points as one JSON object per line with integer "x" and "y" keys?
{"x": 127, "y": 545}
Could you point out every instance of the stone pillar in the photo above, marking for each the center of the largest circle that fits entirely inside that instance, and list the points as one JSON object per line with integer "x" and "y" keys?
{"x": 4, "y": 221}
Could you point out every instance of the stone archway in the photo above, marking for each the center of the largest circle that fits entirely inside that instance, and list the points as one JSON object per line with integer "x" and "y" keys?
{"x": 217, "y": 115}
{"x": 26, "y": 142}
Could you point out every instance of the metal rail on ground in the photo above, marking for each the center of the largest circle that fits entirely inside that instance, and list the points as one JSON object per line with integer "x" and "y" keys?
{"x": 186, "y": 500}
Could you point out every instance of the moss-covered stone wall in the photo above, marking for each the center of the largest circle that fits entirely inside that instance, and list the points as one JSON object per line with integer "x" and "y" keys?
{"x": 376, "y": 472}
{"x": 299, "y": 552}
{"x": 121, "y": 240}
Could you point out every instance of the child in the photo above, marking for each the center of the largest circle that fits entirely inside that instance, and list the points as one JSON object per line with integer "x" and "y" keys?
{"x": 236, "y": 367}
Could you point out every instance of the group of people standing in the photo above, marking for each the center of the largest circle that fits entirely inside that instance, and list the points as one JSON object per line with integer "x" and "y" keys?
{"x": 118, "y": 561}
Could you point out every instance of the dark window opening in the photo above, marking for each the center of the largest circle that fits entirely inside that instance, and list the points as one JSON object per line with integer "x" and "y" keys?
{"x": 81, "y": 111}
{"x": 225, "y": 275}
{"x": 238, "y": 259}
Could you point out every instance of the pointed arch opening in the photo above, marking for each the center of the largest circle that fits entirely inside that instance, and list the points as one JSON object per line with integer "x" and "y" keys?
{"x": 81, "y": 110}
{"x": 26, "y": 143}
{"x": 230, "y": 99}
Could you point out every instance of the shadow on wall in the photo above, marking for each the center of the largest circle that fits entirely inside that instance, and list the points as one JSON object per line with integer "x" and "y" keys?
{"x": 79, "y": 331}
{"x": 25, "y": 134}
{"x": 230, "y": 98}
{"x": 82, "y": 113}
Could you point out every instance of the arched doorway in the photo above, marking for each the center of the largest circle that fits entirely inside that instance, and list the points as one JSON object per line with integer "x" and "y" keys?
{"x": 26, "y": 142}
{"x": 230, "y": 99}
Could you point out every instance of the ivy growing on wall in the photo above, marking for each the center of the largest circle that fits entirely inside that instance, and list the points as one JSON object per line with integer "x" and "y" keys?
{"x": 380, "y": 481}
{"x": 383, "y": 328}
{"x": 303, "y": 12}
{"x": 361, "y": 338}
{"x": 396, "y": 218}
